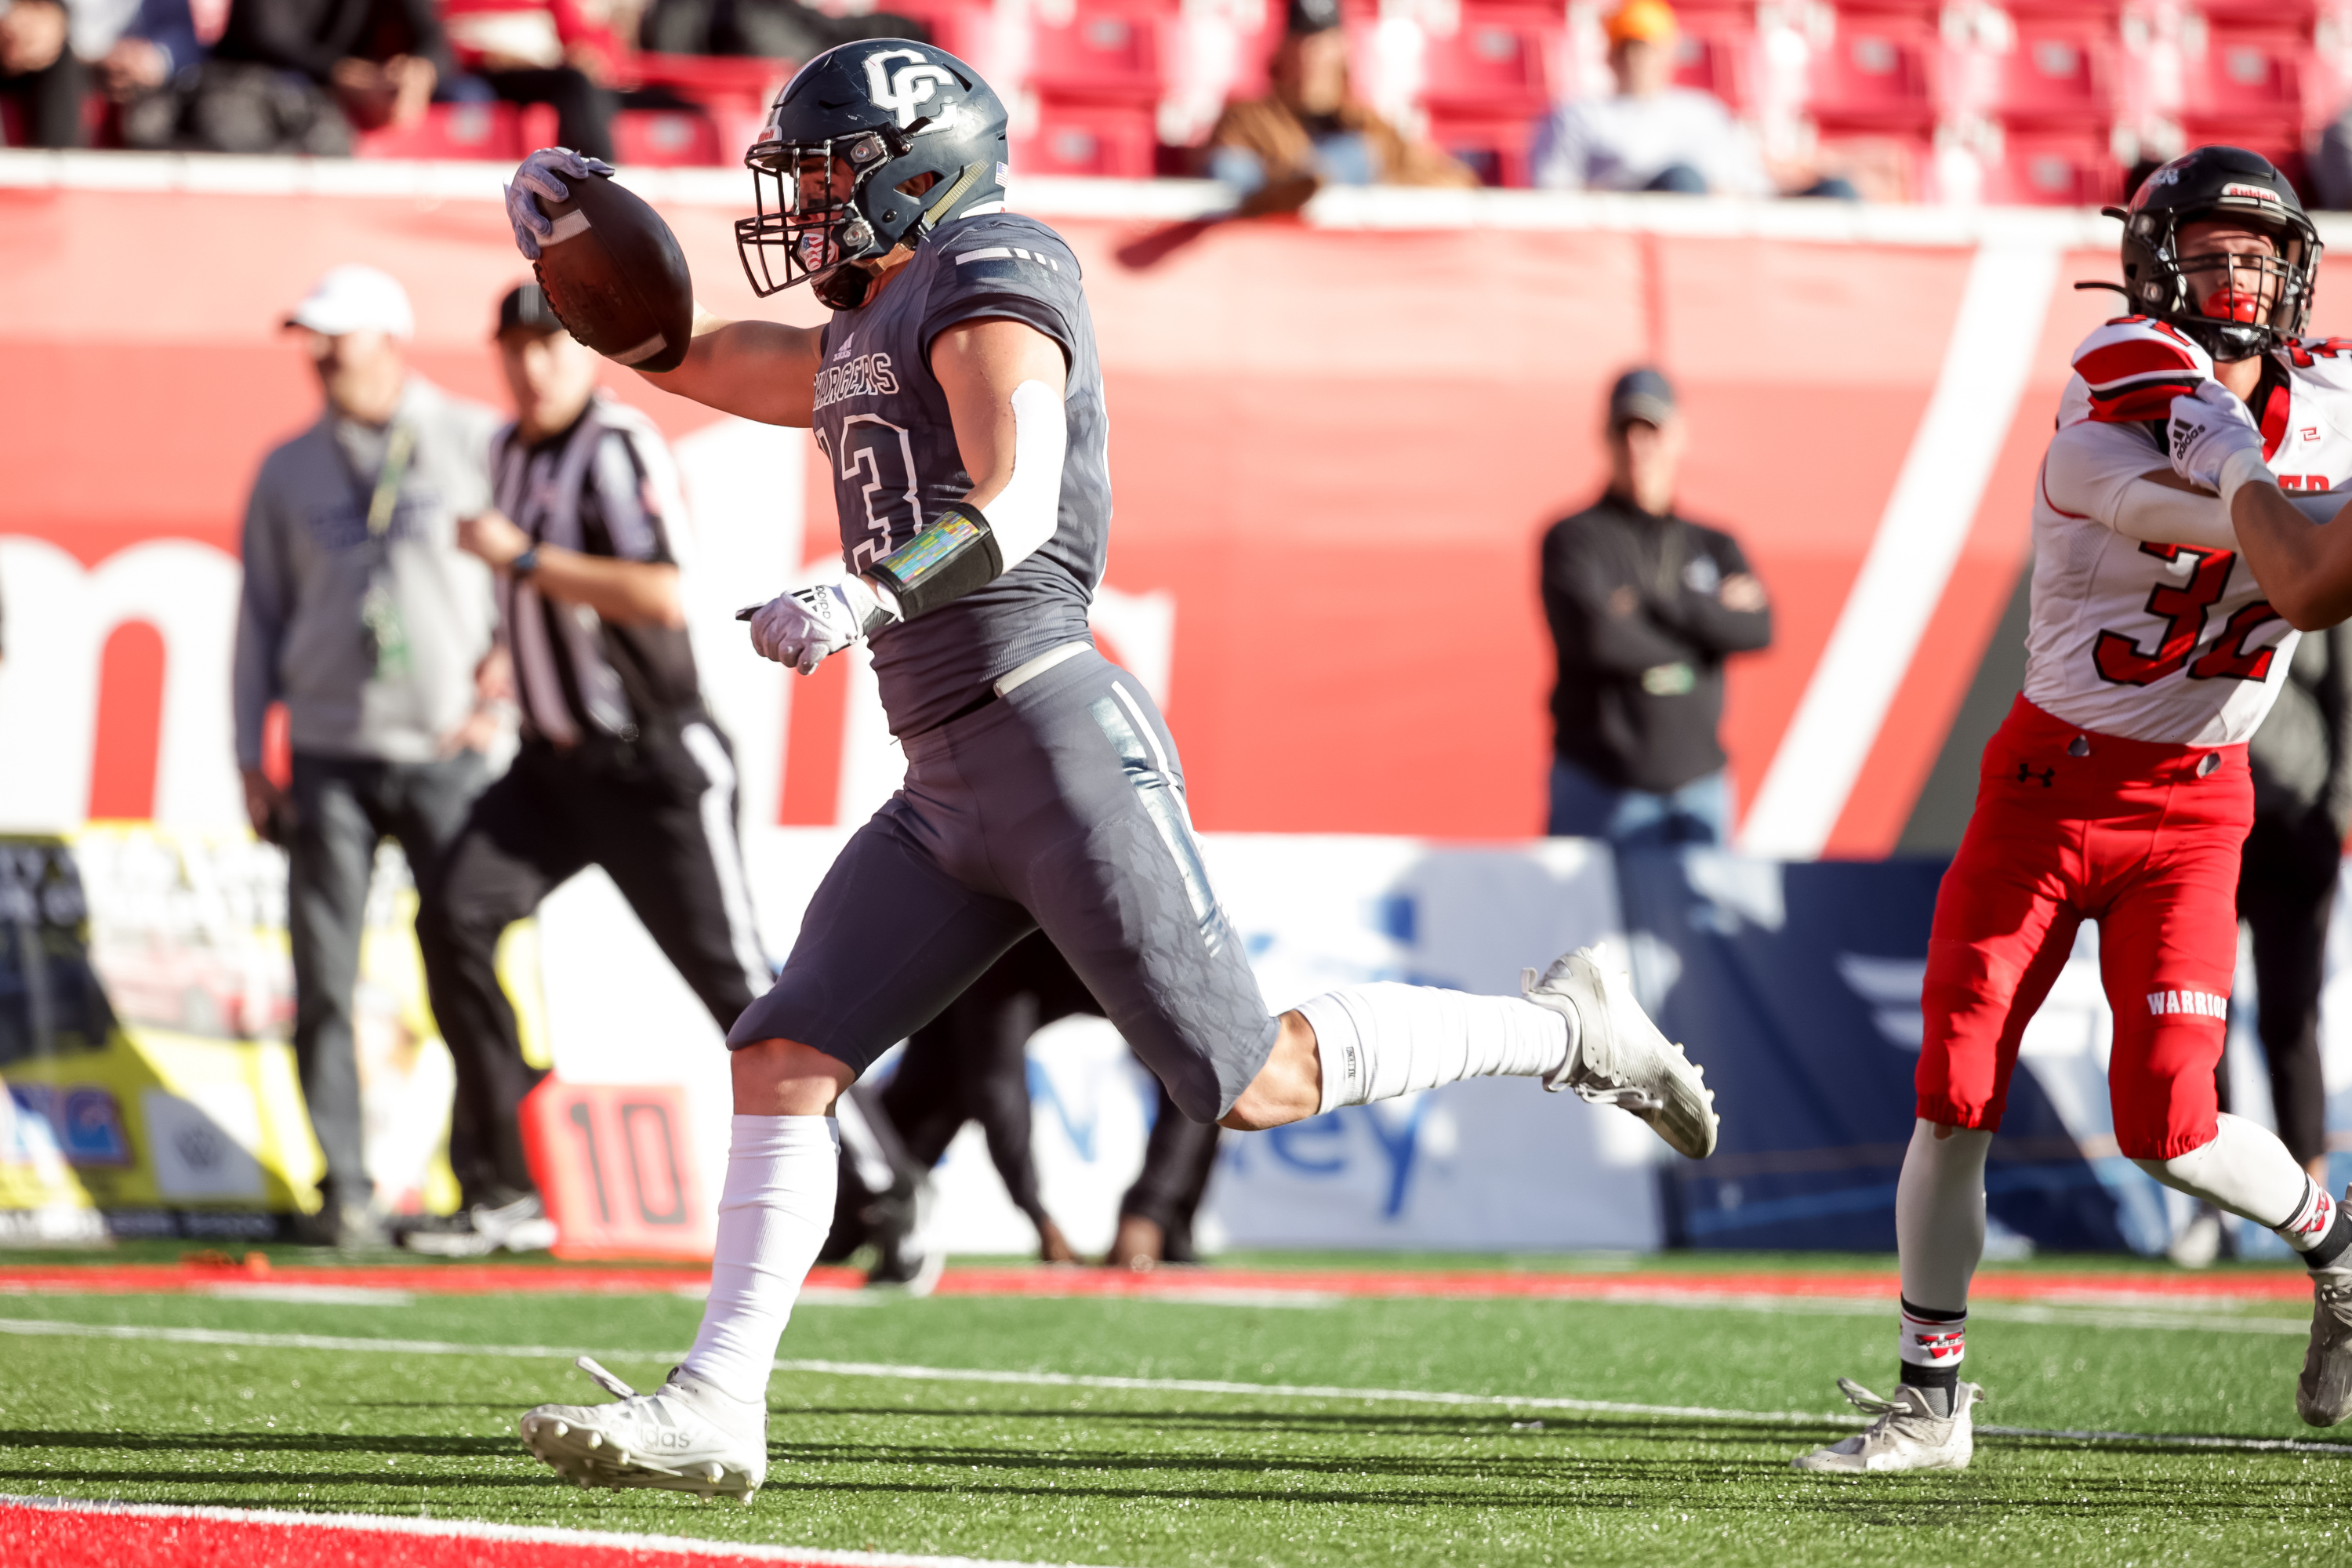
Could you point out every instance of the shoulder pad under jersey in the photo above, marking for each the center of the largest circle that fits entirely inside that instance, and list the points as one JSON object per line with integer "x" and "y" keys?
{"x": 2320, "y": 362}
{"x": 2132, "y": 368}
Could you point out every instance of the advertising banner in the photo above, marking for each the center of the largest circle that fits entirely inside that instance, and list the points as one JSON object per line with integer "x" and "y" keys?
{"x": 146, "y": 1010}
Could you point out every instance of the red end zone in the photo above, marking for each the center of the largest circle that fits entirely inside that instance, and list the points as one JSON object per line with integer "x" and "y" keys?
{"x": 58, "y": 1535}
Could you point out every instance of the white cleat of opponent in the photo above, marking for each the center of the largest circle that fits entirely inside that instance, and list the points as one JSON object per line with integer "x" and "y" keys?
{"x": 1907, "y": 1435}
{"x": 1620, "y": 1057}
{"x": 666, "y": 1440}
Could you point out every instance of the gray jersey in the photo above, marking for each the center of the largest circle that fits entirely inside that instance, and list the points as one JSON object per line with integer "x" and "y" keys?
{"x": 883, "y": 425}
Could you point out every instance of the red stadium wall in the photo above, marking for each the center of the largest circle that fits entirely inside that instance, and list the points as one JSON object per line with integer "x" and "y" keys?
{"x": 1334, "y": 446}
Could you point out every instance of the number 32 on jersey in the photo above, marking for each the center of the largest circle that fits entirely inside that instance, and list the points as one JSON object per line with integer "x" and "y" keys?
{"x": 2183, "y": 609}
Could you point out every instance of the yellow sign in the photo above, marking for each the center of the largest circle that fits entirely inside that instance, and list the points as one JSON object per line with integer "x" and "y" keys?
{"x": 146, "y": 1004}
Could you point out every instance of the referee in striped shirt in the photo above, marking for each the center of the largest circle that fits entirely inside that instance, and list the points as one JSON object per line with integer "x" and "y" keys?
{"x": 620, "y": 765}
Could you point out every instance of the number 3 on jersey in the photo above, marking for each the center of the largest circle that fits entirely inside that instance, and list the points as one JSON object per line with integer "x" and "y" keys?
{"x": 879, "y": 454}
{"x": 2182, "y": 609}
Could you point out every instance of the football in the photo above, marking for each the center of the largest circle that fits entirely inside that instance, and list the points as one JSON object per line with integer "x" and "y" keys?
{"x": 615, "y": 278}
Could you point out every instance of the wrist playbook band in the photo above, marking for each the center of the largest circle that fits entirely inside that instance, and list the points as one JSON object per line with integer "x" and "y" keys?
{"x": 950, "y": 558}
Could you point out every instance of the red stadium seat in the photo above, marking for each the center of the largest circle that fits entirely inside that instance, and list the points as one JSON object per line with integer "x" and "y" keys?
{"x": 2056, "y": 169}
{"x": 732, "y": 91}
{"x": 494, "y": 133}
{"x": 1717, "y": 54}
{"x": 1878, "y": 73}
{"x": 667, "y": 138}
{"x": 2059, "y": 74}
{"x": 1113, "y": 141}
{"x": 1496, "y": 149}
{"x": 1495, "y": 64}
{"x": 1104, "y": 53}
{"x": 2246, "y": 74}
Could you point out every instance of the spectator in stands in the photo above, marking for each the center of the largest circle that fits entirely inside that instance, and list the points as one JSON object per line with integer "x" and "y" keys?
{"x": 1651, "y": 135}
{"x": 299, "y": 76}
{"x": 41, "y": 72}
{"x": 538, "y": 51}
{"x": 360, "y": 614}
{"x": 1311, "y": 130}
{"x": 781, "y": 29}
{"x": 1644, "y": 607}
{"x": 139, "y": 55}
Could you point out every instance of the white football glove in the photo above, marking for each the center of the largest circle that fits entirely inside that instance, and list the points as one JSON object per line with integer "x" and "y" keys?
{"x": 2210, "y": 426}
{"x": 807, "y": 626}
{"x": 543, "y": 174}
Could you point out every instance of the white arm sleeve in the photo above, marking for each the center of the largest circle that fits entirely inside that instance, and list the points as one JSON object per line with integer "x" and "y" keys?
{"x": 1027, "y": 510}
{"x": 2099, "y": 471}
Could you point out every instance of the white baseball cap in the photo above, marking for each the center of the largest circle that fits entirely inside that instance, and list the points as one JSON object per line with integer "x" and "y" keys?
{"x": 356, "y": 298}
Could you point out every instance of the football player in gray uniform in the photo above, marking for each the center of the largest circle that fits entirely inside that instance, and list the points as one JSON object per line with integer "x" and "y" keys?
{"x": 957, "y": 397}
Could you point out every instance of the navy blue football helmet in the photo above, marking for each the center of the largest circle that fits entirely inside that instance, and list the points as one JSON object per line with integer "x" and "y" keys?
{"x": 847, "y": 136}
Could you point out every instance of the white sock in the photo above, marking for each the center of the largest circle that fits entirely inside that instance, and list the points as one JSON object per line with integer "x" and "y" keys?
{"x": 783, "y": 1172}
{"x": 1940, "y": 1216}
{"x": 1383, "y": 1040}
{"x": 2246, "y": 1170}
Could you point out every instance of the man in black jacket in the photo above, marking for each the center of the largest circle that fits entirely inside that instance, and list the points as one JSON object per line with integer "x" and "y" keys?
{"x": 1644, "y": 606}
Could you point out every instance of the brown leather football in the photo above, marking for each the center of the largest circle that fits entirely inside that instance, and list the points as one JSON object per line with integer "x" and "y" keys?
{"x": 615, "y": 276}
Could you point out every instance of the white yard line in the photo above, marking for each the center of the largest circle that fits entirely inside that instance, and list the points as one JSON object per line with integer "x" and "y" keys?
{"x": 468, "y": 1530}
{"x": 900, "y": 1372}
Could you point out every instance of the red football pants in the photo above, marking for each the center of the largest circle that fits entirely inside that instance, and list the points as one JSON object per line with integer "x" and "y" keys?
{"x": 2143, "y": 839}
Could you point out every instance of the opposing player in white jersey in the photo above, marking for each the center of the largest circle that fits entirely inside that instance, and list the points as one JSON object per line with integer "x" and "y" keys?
{"x": 2117, "y": 789}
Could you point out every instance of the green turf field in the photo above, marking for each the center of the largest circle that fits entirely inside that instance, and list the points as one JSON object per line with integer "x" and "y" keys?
{"x": 1153, "y": 1476}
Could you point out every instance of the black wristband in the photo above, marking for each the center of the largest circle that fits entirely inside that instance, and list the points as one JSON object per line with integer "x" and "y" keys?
{"x": 524, "y": 564}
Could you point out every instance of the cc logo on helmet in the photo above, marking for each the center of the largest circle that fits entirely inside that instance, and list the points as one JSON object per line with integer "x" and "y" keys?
{"x": 907, "y": 88}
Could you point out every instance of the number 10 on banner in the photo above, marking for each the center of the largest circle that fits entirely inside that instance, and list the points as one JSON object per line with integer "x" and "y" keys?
{"x": 616, "y": 1165}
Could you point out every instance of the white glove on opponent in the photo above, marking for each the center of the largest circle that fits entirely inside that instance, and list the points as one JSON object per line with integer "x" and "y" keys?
{"x": 543, "y": 174}
{"x": 807, "y": 626}
{"x": 2212, "y": 437}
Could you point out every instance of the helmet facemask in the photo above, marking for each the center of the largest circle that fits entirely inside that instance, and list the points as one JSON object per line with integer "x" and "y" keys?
{"x": 812, "y": 212}
{"x": 2235, "y": 306}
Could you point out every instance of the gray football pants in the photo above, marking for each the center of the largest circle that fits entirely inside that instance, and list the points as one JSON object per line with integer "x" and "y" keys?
{"x": 1060, "y": 806}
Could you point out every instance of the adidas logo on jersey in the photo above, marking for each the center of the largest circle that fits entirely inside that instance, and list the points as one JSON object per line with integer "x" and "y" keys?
{"x": 2198, "y": 1003}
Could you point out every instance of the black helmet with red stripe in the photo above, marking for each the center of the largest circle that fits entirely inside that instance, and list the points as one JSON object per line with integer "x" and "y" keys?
{"x": 2206, "y": 296}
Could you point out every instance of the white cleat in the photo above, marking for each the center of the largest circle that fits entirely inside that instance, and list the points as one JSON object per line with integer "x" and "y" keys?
{"x": 1907, "y": 1435}
{"x": 666, "y": 1440}
{"x": 1620, "y": 1057}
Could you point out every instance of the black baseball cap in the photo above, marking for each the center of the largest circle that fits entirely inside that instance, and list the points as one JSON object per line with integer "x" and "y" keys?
{"x": 525, "y": 308}
{"x": 1305, "y": 17}
{"x": 1643, "y": 392}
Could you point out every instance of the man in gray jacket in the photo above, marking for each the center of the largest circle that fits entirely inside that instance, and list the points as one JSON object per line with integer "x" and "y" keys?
{"x": 362, "y": 615}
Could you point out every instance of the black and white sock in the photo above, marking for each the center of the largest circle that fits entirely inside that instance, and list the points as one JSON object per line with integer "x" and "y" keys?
{"x": 2319, "y": 1228}
{"x": 1932, "y": 1345}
